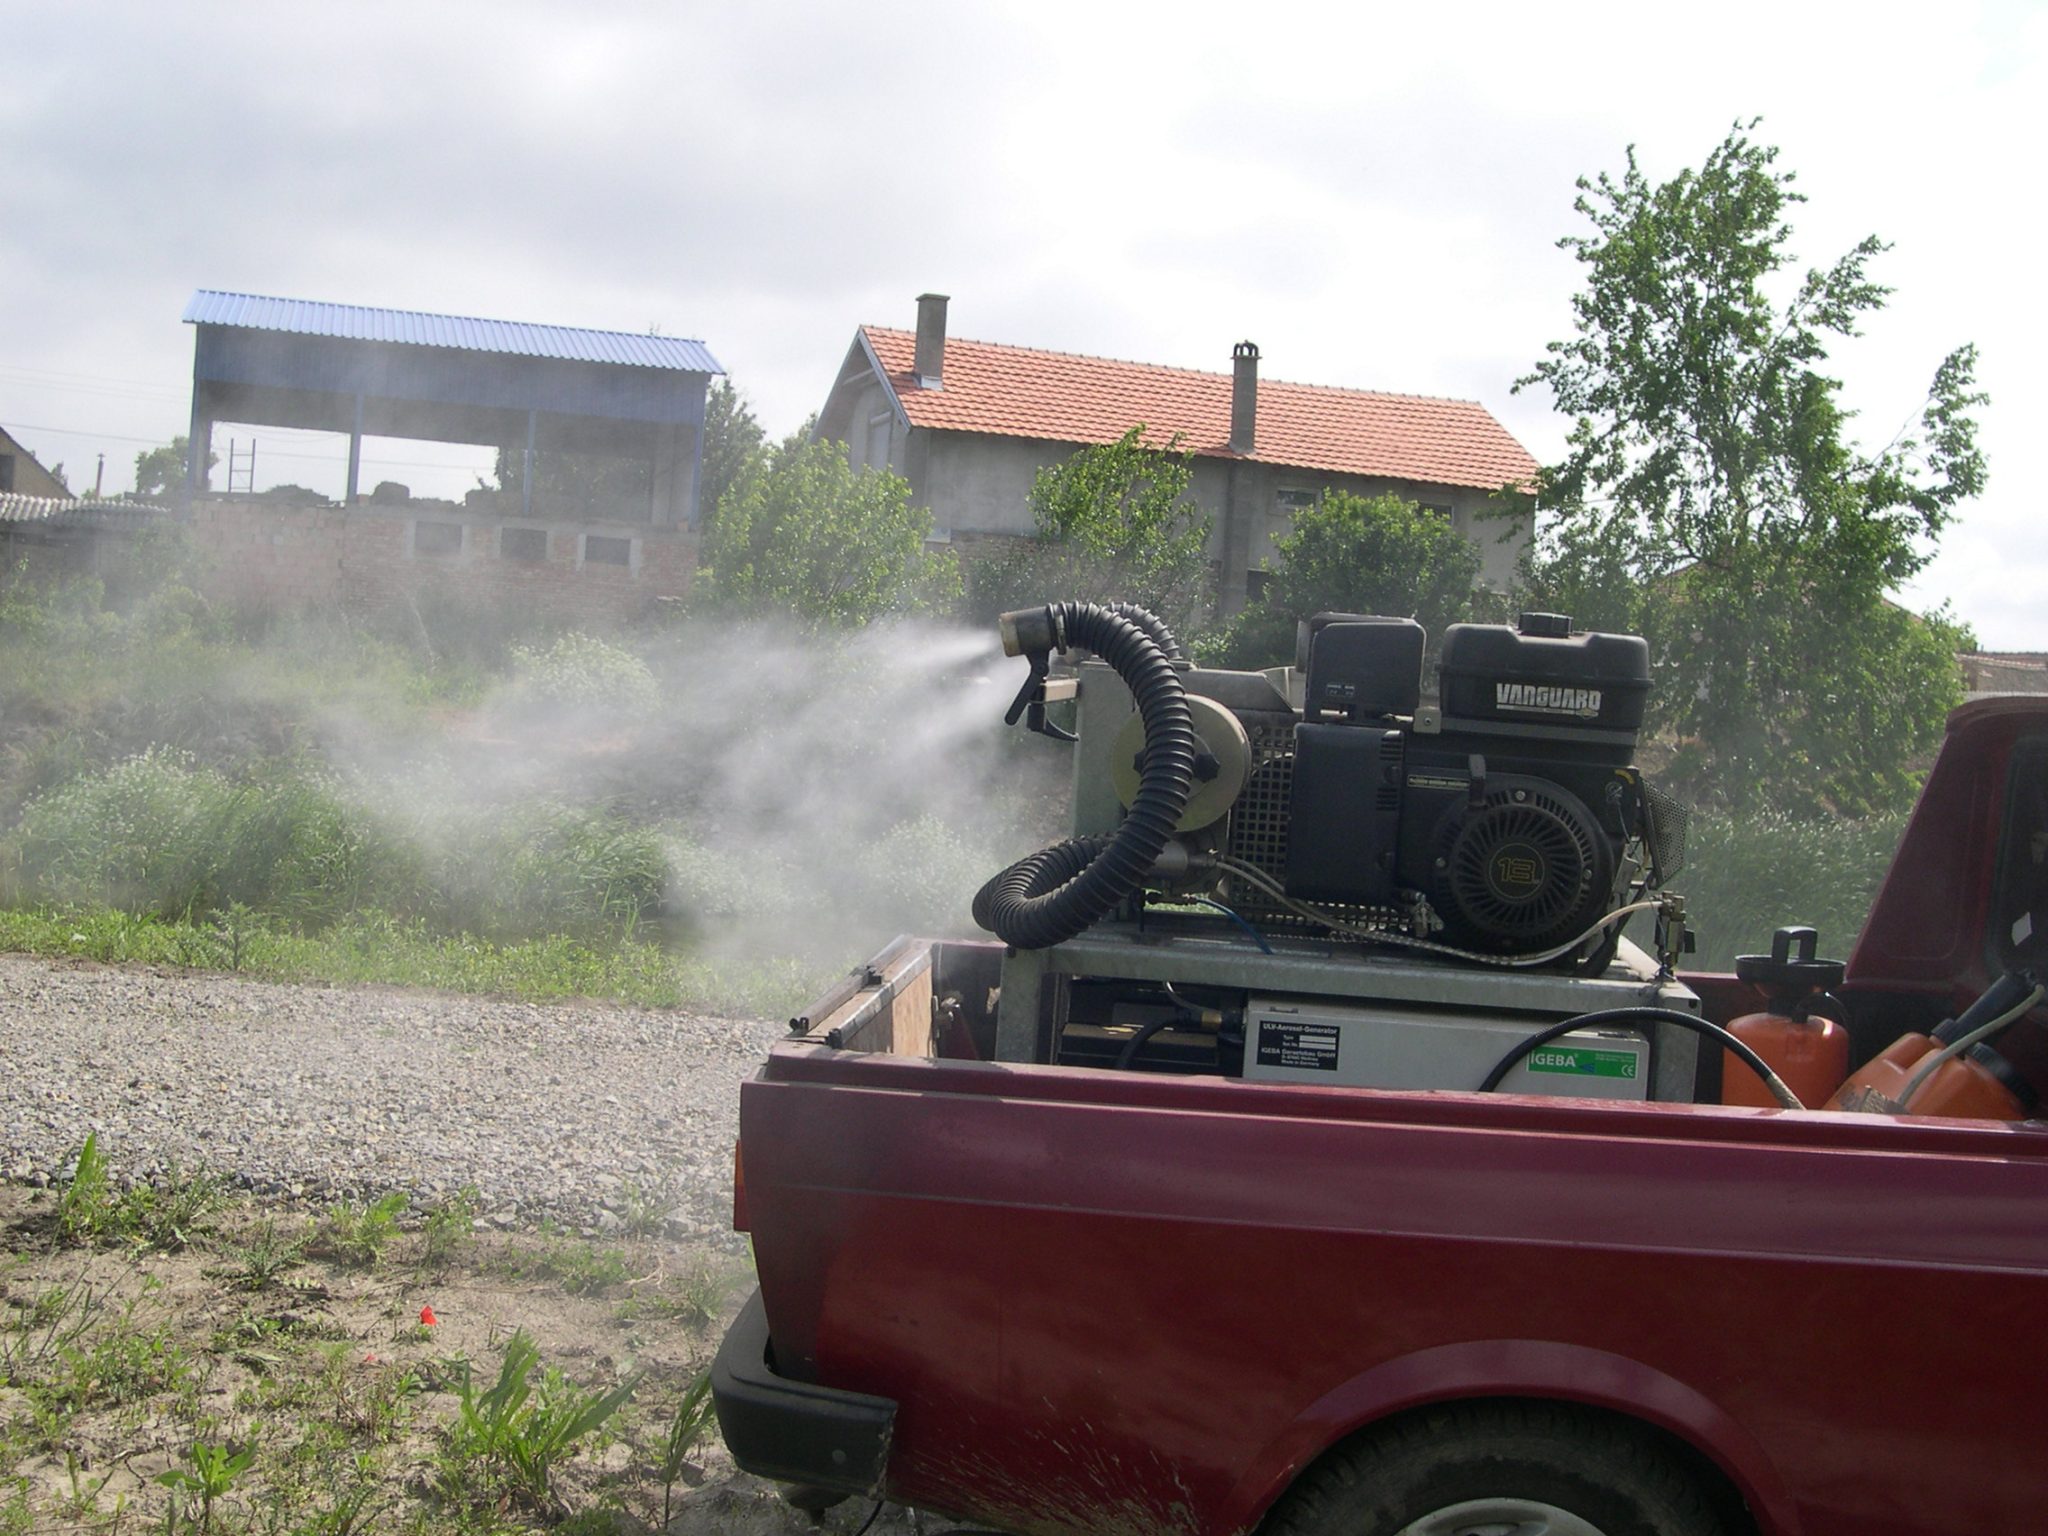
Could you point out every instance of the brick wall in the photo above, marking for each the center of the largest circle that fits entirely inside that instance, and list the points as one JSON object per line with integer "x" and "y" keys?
{"x": 264, "y": 554}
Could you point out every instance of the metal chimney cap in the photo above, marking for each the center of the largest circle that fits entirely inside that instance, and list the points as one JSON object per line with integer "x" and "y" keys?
{"x": 1248, "y": 349}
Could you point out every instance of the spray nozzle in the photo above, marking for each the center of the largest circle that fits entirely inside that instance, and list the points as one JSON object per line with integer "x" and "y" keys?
{"x": 1030, "y": 632}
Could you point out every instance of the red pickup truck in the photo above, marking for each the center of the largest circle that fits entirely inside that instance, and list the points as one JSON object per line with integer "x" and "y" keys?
{"x": 1059, "y": 1298}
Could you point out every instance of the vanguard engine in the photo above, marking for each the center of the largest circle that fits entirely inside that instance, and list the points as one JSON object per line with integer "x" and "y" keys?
{"x": 1506, "y": 820}
{"x": 1411, "y": 873}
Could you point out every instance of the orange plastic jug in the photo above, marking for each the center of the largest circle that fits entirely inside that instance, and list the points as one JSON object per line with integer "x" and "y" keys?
{"x": 1977, "y": 1084}
{"x": 1805, "y": 1047}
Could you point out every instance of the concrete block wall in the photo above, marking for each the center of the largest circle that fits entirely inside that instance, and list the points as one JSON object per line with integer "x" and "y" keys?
{"x": 44, "y": 556}
{"x": 266, "y": 555}
{"x": 263, "y": 554}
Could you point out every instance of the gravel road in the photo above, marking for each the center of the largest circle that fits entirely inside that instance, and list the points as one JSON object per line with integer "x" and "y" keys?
{"x": 578, "y": 1112}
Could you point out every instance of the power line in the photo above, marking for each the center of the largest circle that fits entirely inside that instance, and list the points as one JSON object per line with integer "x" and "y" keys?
{"x": 111, "y": 437}
{"x": 84, "y": 384}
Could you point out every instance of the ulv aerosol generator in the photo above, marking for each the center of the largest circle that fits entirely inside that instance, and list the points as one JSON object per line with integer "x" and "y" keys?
{"x": 1309, "y": 873}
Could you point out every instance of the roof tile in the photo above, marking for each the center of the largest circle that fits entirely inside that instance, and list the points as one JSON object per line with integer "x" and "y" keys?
{"x": 71, "y": 511}
{"x": 1024, "y": 392}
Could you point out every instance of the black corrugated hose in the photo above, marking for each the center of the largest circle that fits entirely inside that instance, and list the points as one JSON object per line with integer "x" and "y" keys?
{"x": 1063, "y": 890}
{"x": 1153, "y": 625}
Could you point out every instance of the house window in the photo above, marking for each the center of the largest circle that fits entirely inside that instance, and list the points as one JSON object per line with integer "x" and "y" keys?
{"x": 440, "y": 541}
{"x": 527, "y": 544}
{"x": 1255, "y": 584}
{"x": 878, "y": 441}
{"x": 1441, "y": 508}
{"x": 601, "y": 549}
{"x": 1288, "y": 502}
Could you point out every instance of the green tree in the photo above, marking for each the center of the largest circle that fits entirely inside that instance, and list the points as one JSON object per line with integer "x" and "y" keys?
{"x": 161, "y": 471}
{"x": 733, "y": 444}
{"x": 1355, "y": 554}
{"x": 805, "y": 533}
{"x": 597, "y": 482}
{"x": 1710, "y": 497}
{"x": 1115, "y": 521}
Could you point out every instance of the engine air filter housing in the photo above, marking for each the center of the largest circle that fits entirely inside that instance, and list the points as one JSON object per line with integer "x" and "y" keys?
{"x": 1540, "y": 674}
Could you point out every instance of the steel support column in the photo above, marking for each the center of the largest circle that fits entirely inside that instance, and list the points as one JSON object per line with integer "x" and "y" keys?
{"x": 355, "y": 456}
{"x": 198, "y": 440}
{"x": 526, "y": 466}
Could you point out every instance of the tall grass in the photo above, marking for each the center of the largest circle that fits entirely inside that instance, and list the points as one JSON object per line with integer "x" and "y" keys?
{"x": 166, "y": 835}
{"x": 382, "y": 949}
{"x": 540, "y": 867}
{"x": 162, "y": 833}
{"x": 1746, "y": 876}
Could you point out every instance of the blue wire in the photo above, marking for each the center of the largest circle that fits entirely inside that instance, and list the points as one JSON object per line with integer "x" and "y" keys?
{"x": 1257, "y": 937}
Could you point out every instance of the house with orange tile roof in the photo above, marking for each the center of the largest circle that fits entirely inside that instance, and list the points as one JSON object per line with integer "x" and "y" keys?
{"x": 969, "y": 423}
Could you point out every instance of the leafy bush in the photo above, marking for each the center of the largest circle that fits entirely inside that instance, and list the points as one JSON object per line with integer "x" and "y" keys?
{"x": 1354, "y": 554}
{"x": 543, "y": 867}
{"x": 1115, "y": 522}
{"x": 580, "y": 672}
{"x": 806, "y": 534}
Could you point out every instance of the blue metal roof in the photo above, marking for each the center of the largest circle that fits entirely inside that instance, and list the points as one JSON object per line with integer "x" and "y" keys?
{"x": 354, "y": 322}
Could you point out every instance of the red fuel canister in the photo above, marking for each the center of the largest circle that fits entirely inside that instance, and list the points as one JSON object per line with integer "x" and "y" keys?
{"x": 1880, "y": 1080}
{"x": 1977, "y": 1083}
{"x": 1804, "y": 1046}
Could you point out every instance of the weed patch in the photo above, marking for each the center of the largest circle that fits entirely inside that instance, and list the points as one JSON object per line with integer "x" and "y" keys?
{"x": 117, "y": 1361}
{"x": 210, "y": 1474}
{"x": 357, "y": 1233}
{"x": 42, "y": 1324}
{"x": 267, "y": 1254}
{"x": 686, "y": 1427}
{"x": 165, "y": 1215}
{"x": 252, "y": 1386}
{"x": 579, "y": 1268}
{"x": 448, "y": 1231}
{"x": 512, "y": 1435}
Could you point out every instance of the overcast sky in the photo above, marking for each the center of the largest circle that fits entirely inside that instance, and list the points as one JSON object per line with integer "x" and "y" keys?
{"x": 1371, "y": 193}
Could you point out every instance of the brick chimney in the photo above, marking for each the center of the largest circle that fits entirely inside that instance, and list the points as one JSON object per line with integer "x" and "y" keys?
{"x": 931, "y": 340}
{"x": 1244, "y": 395}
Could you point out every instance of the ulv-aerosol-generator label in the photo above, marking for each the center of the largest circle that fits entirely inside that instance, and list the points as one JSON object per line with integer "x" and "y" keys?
{"x": 1312, "y": 1047}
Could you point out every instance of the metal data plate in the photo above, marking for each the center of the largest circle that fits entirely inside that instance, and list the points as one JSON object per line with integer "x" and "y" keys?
{"x": 1299, "y": 1040}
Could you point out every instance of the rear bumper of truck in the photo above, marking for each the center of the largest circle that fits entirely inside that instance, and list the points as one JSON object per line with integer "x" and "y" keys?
{"x": 795, "y": 1431}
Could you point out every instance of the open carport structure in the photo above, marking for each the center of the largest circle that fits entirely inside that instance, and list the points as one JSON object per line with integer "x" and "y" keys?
{"x": 445, "y": 378}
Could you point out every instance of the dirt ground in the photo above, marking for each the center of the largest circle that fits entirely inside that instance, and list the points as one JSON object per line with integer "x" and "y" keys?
{"x": 178, "y": 1361}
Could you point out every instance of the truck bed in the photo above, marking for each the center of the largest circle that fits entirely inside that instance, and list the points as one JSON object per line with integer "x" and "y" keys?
{"x": 1140, "y": 1301}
